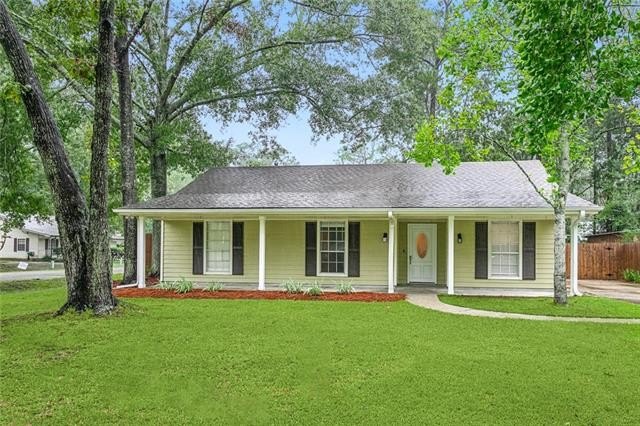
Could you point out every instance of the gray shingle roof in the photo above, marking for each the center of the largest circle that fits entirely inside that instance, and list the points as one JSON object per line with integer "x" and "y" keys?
{"x": 497, "y": 184}
{"x": 47, "y": 228}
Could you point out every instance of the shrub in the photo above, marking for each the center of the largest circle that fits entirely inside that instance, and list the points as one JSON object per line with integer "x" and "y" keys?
{"x": 345, "y": 287}
{"x": 314, "y": 289}
{"x": 217, "y": 286}
{"x": 182, "y": 286}
{"x": 631, "y": 275}
{"x": 291, "y": 286}
{"x": 165, "y": 285}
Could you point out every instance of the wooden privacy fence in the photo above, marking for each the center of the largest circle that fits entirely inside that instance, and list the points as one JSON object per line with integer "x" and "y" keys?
{"x": 604, "y": 261}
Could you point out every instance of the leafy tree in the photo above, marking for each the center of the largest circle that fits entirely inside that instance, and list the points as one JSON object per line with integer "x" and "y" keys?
{"x": 559, "y": 64}
{"x": 264, "y": 151}
{"x": 82, "y": 228}
{"x": 233, "y": 61}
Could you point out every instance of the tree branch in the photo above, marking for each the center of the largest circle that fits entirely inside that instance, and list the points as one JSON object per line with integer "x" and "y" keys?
{"x": 200, "y": 33}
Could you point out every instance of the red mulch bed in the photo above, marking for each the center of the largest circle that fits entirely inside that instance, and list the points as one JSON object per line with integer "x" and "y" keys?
{"x": 148, "y": 280}
{"x": 255, "y": 294}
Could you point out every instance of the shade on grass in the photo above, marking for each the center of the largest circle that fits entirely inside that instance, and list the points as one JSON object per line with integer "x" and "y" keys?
{"x": 585, "y": 306}
{"x": 227, "y": 361}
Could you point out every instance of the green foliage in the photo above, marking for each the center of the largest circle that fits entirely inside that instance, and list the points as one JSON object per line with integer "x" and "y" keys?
{"x": 182, "y": 286}
{"x": 215, "y": 286}
{"x": 381, "y": 346}
{"x": 429, "y": 148}
{"x": 585, "y": 306}
{"x": 344, "y": 287}
{"x": 314, "y": 289}
{"x": 631, "y": 275}
{"x": 293, "y": 287}
{"x": 166, "y": 285}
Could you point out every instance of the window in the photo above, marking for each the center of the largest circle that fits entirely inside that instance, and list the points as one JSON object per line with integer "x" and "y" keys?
{"x": 218, "y": 247}
{"x": 332, "y": 247}
{"x": 22, "y": 244}
{"x": 504, "y": 240}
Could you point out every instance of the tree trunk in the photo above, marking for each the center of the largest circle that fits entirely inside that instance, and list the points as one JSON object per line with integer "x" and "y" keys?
{"x": 68, "y": 200}
{"x": 158, "y": 189}
{"x": 99, "y": 253}
{"x": 559, "y": 224}
{"x": 127, "y": 153}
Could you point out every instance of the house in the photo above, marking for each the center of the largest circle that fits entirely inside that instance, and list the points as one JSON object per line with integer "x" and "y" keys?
{"x": 36, "y": 236}
{"x": 484, "y": 228}
{"x": 607, "y": 237}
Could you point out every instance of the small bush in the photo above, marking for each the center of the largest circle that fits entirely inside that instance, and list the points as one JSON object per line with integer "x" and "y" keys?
{"x": 345, "y": 287}
{"x": 165, "y": 285}
{"x": 217, "y": 286}
{"x": 631, "y": 275}
{"x": 292, "y": 287}
{"x": 183, "y": 286}
{"x": 314, "y": 290}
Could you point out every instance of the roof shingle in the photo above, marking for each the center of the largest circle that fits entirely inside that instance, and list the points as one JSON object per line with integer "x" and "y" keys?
{"x": 498, "y": 184}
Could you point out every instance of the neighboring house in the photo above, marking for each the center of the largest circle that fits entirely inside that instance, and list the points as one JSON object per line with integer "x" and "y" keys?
{"x": 484, "y": 227}
{"x": 606, "y": 237}
{"x": 39, "y": 237}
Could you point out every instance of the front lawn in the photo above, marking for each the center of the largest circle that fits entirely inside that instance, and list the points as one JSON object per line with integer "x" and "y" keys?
{"x": 34, "y": 265}
{"x": 271, "y": 362}
{"x": 585, "y": 306}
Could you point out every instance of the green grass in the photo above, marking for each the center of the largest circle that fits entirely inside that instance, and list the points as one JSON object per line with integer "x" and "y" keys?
{"x": 273, "y": 362}
{"x": 585, "y": 306}
{"x": 34, "y": 265}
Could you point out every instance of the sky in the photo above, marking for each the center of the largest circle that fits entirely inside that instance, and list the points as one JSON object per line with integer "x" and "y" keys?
{"x": 295, "y": 135}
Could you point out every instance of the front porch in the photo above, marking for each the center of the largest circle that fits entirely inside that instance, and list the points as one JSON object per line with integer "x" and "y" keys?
{"x": 396, "y": 251}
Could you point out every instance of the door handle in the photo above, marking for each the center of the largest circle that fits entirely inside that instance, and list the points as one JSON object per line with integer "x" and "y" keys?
{"x": 410, "y": 257}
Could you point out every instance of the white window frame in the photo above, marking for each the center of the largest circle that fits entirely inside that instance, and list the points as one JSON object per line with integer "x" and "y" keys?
{"x": 346, "y": 249}
{"x": 489, "y": 243}
{"x": 24, "y": 244}
{"x": 206, "y": 242}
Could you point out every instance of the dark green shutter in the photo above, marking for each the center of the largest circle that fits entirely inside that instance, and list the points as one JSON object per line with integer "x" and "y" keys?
{"x": 482, "y": 252}
{"x": 528, "y": 250}
{"x": 354, "y": 249}
{"x": 15, "y": 244}
{"x": 238, "y": 248}
{"x": 26, "y": 245}
{"x": 310, "y": 252}
{"x": 198, "y": 248}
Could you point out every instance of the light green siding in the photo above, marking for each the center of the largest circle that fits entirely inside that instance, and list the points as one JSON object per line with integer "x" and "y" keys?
{"x": 464, "y": 259}
{"x": 285, "y": 253}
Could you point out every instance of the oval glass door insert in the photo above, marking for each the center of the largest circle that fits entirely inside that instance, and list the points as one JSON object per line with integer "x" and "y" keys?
{"x": 422, "y": 245}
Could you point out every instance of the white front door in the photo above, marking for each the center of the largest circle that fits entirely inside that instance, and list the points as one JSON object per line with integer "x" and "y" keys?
{"x": 422, "y": 252}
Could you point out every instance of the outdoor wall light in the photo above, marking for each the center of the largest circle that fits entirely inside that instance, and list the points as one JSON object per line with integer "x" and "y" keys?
{"x": 385, "y": 237}
{"x": 459, "y": 238}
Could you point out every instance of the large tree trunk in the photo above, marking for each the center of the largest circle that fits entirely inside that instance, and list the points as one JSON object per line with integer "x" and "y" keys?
{"x": 127, "y": 153}
{"x": 68, "y": 200}
{"x": 99, "y": 255}
{"x": 559, "y": 228}
{"x": 158, "y": 189}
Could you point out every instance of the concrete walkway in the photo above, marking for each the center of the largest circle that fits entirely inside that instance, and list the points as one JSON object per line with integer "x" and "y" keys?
{"x": 428, "y": 298}
{"x": 612, "y": 289}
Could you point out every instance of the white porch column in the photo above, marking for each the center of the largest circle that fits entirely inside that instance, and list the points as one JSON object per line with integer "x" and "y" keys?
{"x": 395, "y": 254}
{"x": 391, "y": 258}
{"x": 574, "y": 255}
{"x": 262, "y": 254}
{"x": 450, "y": 242}
{"x": 140, "y": 260}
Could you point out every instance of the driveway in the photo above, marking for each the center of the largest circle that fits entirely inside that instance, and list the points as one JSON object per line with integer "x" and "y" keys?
{"x": 612, "y": 289}
{"x": 40, "y": 275}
